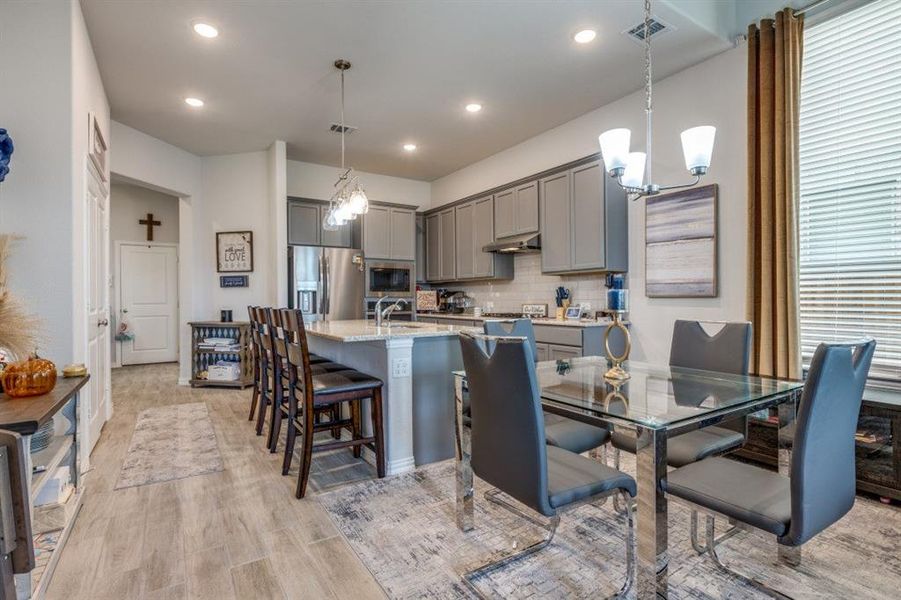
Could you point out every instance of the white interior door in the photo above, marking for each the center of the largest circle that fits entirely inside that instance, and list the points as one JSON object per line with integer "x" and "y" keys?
{"x": 148, "y": 302}
{"x": 96, "y": 403}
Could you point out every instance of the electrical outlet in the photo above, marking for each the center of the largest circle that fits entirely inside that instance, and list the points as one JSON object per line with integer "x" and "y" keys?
{"x": 400, "y": 367}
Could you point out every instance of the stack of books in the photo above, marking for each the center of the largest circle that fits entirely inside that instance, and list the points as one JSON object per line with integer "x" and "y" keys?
{"x": 219, "y": 344}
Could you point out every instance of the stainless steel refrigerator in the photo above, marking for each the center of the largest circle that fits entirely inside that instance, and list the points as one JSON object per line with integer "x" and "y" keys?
{"x": 327, "y": 283}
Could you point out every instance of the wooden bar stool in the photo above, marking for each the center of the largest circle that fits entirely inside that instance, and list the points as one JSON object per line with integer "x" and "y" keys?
{"x": 279, "y": 336}
{"x": 255, "y": 351}
{"x": 309, "y": 392}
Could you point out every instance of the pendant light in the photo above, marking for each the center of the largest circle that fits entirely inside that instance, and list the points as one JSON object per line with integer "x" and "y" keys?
{"x": 349, "y": 199}
{"x": 632, "y": 170}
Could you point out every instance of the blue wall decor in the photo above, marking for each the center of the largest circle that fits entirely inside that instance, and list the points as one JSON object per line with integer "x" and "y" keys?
{"x": 229, "y": 281}
{"x": 6, "y": 150}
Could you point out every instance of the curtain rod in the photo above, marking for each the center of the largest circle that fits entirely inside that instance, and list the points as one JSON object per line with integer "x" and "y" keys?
{"x": 810, "y": 6}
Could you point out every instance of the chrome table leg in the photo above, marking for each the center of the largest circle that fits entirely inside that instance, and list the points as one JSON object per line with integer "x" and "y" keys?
{"x": 790, "y": 555}
{"x": 465, "y": 489}
{"x": 653, "y": 557}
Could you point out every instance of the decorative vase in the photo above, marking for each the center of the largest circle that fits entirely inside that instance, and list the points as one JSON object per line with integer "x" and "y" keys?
{"x": 31, "y": 377}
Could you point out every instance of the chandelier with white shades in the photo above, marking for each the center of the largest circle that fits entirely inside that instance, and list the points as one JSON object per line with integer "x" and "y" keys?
{"x": 349, "y": 199}
{"x": 632, "y": 170}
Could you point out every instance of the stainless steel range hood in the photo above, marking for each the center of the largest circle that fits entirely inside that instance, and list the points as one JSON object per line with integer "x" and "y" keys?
{"x": 519, "y": 244}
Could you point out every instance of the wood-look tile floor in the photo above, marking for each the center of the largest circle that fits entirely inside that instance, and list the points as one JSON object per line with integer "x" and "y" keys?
{"x": 236, "y": 534}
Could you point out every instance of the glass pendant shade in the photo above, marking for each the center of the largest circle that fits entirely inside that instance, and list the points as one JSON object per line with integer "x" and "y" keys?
{"x": 343, "y": 212}
{"x": 330, "y": 223}
{"x": 358, "y": 202}
{"x": 697, "y": 146}
{"x": 633, "y": 177}
{"x": 615, "y": 148}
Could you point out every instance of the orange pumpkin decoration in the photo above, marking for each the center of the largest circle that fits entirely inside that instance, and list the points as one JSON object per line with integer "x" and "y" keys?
{"x": 31, "y": 377}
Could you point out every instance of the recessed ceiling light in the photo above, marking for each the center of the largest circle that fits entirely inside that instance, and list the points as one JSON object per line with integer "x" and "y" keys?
{"x": 473, "y": 107}
{"x": 409, "y": 147}
{"x": 585, "y": 36}
{"x": 195, "y": 102}
{"x": 205, "y": 30}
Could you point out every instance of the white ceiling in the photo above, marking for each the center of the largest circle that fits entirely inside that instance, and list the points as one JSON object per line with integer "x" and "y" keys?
{"x": 269, "y": 74}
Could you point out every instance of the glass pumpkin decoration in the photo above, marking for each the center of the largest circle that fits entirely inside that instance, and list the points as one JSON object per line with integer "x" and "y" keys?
{"x": 31, "y": 377}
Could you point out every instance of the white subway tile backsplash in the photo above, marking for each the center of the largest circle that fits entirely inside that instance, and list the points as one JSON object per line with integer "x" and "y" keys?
{"x": 530, "y": 286}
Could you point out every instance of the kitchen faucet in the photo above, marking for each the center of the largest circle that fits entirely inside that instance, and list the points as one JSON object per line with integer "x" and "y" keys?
{"x": 382, "y": 315}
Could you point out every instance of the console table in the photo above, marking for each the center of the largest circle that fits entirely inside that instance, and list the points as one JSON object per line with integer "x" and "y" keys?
{"x": 57, "y": 465}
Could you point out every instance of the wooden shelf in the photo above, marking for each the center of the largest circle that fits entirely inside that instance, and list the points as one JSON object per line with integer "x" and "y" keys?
{"x": 42, "y": 580}
{"x": 202, "y": 358}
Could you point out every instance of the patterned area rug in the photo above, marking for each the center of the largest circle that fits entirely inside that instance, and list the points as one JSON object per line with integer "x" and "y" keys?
{"x": 170, "y": 442}
{"x": 404, "y": 531}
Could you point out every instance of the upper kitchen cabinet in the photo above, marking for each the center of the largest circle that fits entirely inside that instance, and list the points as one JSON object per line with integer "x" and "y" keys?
{"x": 389, "y": 233}
{"x": 440, "y": 236}
{"x": 420, "y": 248}
{"x": 584, "y": 221}
{"x": 475, "y": 230}
{"x": 305, "y": 226}
{"x": 516, "y": 210}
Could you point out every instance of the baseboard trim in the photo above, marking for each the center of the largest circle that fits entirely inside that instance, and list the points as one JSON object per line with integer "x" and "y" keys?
{"x": 183, "y": 381}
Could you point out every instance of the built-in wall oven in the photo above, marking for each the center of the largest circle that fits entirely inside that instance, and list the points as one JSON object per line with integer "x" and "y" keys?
{"x": 390, "y": 278}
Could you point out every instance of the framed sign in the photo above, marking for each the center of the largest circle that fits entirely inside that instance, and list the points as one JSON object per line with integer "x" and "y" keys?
{"x": 234, "y": 251}
{"x": 231, "y": 281}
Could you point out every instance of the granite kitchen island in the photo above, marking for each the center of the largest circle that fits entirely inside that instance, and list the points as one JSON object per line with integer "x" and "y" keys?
{"x": 415, "y": 361}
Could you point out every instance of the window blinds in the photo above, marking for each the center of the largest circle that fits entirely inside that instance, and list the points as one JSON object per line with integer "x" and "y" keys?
{"x": 850, "y": 177}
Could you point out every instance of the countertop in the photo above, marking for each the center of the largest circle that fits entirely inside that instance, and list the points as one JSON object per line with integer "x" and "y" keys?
{"x": 25, "y": 415}
{"x": 536, "y": 321}
{"x": 366, "y": 331}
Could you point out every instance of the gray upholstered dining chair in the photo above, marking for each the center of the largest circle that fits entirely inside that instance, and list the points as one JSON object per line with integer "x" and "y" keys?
{"x": 509, "y": 449}
{"x": 727, "y": 351}
{"x": 821, "y": 487}
{"x": 568, "y": 434}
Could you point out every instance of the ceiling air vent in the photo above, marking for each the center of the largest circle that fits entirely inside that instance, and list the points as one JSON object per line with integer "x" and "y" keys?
{"x": 337, "y": 128}
{"x": 657, "y": 27}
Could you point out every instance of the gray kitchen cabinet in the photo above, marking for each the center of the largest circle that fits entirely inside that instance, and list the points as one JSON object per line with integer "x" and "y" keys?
{"x": 527, "y": 208}
{"x": 464, "y": 227}
{"x": 304, "y": 224}
{"x": 516, "y": 210}
{"x": 448, "y": 245}
{"x": 483, "y": 234}
{"x": 542, "y": 352}
{"x": 389, "y": 233}
{"x": 560, "y": 352}
{"x": 588, "y": 226}
{"x": 556, "y": 239}
{"x": 420, "y": 248}
{"x": 433, "y": 247}
{"x": 402, "y": 233}
{"x": 505, "y": 213}
{"x": 584, "y": 222}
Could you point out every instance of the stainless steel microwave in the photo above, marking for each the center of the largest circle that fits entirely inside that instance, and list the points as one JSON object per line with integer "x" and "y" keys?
{"x": 394, "y": 278}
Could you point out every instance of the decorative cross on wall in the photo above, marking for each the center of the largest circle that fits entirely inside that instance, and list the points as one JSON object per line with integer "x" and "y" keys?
{"x": 149, "y": 222}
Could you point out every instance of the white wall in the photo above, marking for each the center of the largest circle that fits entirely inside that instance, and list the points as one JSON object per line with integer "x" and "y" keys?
{"x": 236, "y": 189}
{"x": 50, "y": 83}
{"x": 712, "y": 93}
{"x": 308, "y": 180}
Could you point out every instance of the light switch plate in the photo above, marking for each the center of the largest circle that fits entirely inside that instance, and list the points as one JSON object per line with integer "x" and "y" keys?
{"x": 400, "y": 367}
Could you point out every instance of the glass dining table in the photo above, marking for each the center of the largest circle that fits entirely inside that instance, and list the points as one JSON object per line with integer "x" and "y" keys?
{"x": 657, "y": 402}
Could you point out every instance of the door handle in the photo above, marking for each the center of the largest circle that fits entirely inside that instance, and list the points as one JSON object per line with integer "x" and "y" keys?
{"x": 103, "y": 323}
{"x": 124, "y": 310}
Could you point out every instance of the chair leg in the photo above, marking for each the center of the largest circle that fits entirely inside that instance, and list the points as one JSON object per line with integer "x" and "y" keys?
{"x": 696, "y": 543}
{"x": 630, "y": 546}
{"x": 254, "y": 400}
{"x": 265, "y": 400}
{"x": 335, "y": 416}
{"x": 307, "y": 454}
{"x": 493, "y": 565}
{"x": 290, "y": 440}
{"x": 356, "y": 416}
{"x": 711, "y": 552}
{"x": 378, "y": 431}
{"x": 275, "y": 422}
